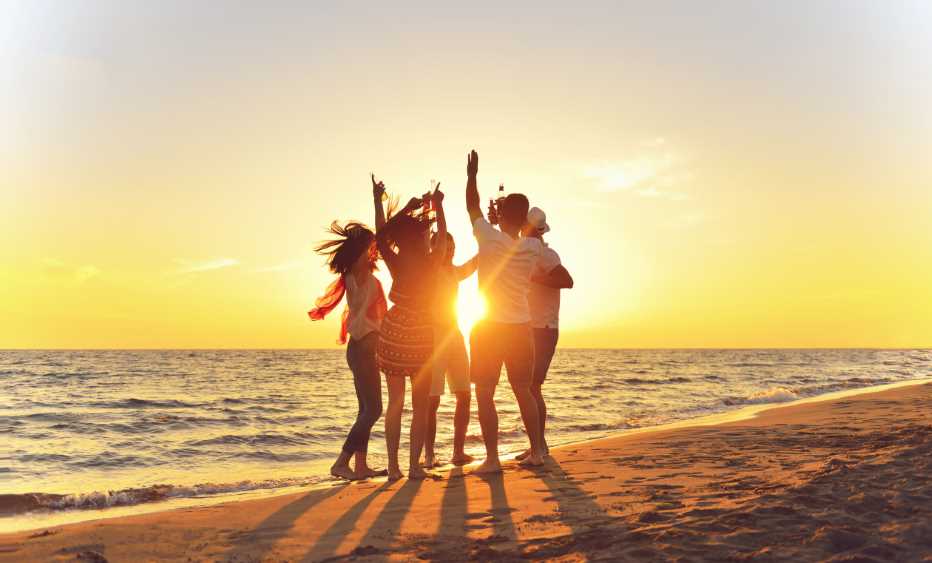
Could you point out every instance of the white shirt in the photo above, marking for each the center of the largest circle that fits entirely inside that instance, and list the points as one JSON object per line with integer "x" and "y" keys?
{"x": 359, "y": 298}
{"x": 505, "y": 266}
{"x": 545, "y": 301}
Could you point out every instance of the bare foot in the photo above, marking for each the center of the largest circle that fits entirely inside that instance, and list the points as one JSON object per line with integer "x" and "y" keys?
{"x": 430, "y": 461}
{"x": 532, "y": 460}
{"x": 462, "y": 459}
{"x": 417, "y": 473}
{"x": 523, "y": 454}
{"x": 394, "y": 474}
{"x": 488, "y": 466}
{"x": 368, "y": 473}
{"x": 343, "y": 472}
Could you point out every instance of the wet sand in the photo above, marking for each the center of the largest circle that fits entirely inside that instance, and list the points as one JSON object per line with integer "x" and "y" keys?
{"x": 846, "y": 479}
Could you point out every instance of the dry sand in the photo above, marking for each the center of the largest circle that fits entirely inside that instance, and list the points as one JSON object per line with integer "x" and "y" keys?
{"x": 847, "y": 480}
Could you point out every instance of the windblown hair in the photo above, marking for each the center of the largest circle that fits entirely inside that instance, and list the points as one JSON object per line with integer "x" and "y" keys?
{"x": 352, "y": 240}
{"x": 406, "y": 228}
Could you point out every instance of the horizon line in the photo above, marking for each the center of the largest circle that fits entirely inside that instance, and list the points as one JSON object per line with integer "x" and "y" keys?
{"x": 248, "y": 349}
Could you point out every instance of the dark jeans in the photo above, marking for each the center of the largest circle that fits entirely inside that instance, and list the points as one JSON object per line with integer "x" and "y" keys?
{"x": 360, "y": 356}
{"x": 545, "y": 344}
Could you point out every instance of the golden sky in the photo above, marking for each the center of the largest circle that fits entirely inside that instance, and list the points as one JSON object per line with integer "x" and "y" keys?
{"x": 722, "y": 174}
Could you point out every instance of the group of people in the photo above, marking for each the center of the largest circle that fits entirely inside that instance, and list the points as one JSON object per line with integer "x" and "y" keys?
{"x": 418, "y": 338}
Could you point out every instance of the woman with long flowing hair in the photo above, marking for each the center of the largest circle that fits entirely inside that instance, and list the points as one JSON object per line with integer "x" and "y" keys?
{"x": 352, "y": 256}
{"x": 406, "y": 344}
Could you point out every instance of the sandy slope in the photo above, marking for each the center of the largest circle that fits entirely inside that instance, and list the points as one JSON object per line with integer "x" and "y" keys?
{"x": 848, "y": 479}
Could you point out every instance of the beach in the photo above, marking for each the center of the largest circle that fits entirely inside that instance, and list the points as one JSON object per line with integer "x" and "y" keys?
{"x": 847, "y": 479}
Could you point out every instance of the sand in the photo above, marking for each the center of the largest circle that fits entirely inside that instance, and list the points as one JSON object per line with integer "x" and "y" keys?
{"x": 847, "y": 479}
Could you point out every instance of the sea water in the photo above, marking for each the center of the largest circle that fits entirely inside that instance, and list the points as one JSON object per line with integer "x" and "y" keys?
{"x": 86, "y": 430}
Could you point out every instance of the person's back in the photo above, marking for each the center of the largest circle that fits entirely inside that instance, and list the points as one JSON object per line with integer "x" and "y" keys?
{"x": 413, "y": 280}
{"x": 506, "y": 261}
{"x": 548, "y": 279}
{"x": 450, "y": 361}
{"x": 505, "y": 267}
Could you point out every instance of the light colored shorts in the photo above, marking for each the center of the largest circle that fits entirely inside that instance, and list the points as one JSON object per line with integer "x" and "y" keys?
{"x": 450, "y": 362}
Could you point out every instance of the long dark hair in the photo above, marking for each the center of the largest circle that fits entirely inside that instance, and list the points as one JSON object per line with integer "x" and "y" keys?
{"x": 407, "y": 231}
{"x": 352, "y": 240}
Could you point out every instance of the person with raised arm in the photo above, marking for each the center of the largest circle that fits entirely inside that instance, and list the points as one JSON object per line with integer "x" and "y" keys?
{"x": 450, "y": 363}
{"x": 352, "y": 256}
{"x": 503, "y": 337}
{"x": 406, "y": 343}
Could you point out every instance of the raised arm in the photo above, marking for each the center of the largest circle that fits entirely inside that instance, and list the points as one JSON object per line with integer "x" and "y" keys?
{"x": 466, "y": 269}
{"x": 383, "y": 236}
{"x": 473, "y": 205}
{"x": 440, "y": 249}
{"x": 378, "y": 192}
{"x": 557, "y": 278}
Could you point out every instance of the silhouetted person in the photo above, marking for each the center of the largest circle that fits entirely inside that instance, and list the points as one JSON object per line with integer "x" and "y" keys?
{"x": 352, "y": 257}
{"x": 506, "y": 261}
{"x": 406, "y": 343}
{"x": 451, "y": 363}
{"x": 547, "y": 280}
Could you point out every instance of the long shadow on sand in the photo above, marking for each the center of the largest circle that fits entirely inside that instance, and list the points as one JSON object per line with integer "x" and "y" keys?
{"x": 593, "y": 529}
{"x": 453, "y": 506}
{"x": 386, "y": 523}
{"x": 499, "y": 516}
{"x": 332, "y": 537}
{"x": 261, "y": 538}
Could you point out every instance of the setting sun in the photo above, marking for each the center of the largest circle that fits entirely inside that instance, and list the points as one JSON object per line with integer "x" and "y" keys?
{"x": 470, "y": 307}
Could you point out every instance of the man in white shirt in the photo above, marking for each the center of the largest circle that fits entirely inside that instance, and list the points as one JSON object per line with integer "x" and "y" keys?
{"x": 548, "y": 279}
{"x": 506, "y": 262}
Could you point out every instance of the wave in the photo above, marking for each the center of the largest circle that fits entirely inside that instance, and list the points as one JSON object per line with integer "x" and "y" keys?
{"x": 12, "y": 504}
{"x": 152, "y": 403}
{"x": 266, "y": 439}
{"x": 659, "y": 381}
{"x": 772, "y": 395}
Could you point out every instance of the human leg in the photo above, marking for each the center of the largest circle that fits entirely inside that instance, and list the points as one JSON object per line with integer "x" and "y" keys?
{"x": 396, "y": 402}
{"x": 519, "y": 362}
{"x": 420, "y": 398}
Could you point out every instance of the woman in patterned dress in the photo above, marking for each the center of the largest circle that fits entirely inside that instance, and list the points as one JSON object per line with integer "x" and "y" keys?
{"x": 406, "y": 336}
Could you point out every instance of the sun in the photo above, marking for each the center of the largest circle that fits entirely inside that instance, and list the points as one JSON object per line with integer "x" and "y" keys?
{"x": 470, "y": 307}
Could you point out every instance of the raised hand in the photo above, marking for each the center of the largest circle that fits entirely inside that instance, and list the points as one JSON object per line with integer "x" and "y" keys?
{"x": 378, "y": 188}
{"x": 472, "y": 164}
{"x": 437, "y": 196}
{"x": 413, "y": 204}
{"x": 493, "y": 212}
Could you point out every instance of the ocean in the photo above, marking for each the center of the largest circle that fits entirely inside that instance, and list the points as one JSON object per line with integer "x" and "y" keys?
{"x": 82, "y": 431}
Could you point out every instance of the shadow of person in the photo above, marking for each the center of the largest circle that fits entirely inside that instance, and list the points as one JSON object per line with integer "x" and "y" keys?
{"x": 331, "y": 538}
{"x": 260, "y": 539}
{"x": 454, "y": 505}
{"x": 451, "y": 539}
{"x": 384, "y": 530}
{"x": 593, "y": 528}
{"x": 503, "y": 527}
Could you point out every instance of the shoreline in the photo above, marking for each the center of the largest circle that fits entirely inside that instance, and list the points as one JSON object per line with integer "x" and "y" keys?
{"x": 30, "y": 521}
{"x": 848, "y": 478}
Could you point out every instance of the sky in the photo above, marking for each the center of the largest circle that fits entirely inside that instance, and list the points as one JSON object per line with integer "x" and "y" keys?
{"x": 716, "y": 174}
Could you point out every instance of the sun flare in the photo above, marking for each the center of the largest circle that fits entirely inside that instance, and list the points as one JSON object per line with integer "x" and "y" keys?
{"x": 470, "y": 308}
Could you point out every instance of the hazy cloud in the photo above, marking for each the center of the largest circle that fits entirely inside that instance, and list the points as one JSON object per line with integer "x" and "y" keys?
{"x": 57, "y": 270}
{"x": 283, "y": 267}
{"x": 652, "y": 170}
{"x": 188, "y": 267}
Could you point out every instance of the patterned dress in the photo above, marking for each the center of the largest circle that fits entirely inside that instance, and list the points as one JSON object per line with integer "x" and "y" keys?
{"x": 406, "y": 340}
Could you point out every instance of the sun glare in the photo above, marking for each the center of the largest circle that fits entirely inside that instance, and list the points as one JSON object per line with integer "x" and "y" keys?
{"x": 470, "y": 307}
